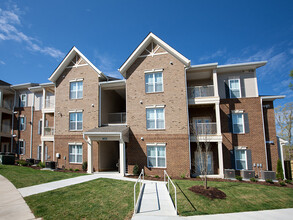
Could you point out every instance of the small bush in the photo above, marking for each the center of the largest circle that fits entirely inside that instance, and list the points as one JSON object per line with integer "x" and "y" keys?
{"x": 282, "y": 183}
{"x": 183, "y": 176}
{"x": 239, "y": 178}
{"x": 253, "y": 179}
{"x": 269, "y": 181}
{"x": 288, "y": 181}
{"x": 156, "y": 176}
{"x": 279, "y": 174}
{"x": 71, "y": 169}
{"x": 41, "y": 164}
{"x": 76, "y": 170}
{"x": 22, "y": 163}
{"x": 84, "y": 166}
{"x": 136, "y": 170}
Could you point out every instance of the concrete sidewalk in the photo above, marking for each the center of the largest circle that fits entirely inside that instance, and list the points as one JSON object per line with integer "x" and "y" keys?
{"x": 12, "y": 205}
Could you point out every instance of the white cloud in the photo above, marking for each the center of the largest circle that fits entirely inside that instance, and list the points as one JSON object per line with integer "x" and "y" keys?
{"x": 2, "y": 62}
{"x": 10, "y": 25}
{"x": 218, "y": 53}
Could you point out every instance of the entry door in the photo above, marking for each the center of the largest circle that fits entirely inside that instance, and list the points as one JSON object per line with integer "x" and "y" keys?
{"x": 5, "y": 147}
{"x": 200, "y": 159}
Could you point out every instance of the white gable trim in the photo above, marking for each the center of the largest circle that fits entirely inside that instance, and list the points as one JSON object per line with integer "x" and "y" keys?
{"x": 151, "y": 37}
{"x": 66, "y": 61}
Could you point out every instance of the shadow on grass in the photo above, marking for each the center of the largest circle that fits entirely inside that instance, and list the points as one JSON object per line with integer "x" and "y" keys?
{"x": 193, "y": 207}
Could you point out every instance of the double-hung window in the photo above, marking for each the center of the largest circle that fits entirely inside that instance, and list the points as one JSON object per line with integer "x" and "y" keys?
{"x": 75, "y": 121}
{"x": 156, "y": 156}
{"x": 234, "y": 88}
{"x": 154, "y": 82}
{"x": 75, "y": 153}
{"x": 240, "y": 159}
{"x": 23, "y": 100}
{"x": 155, "y": 118}
{"x": 21, "y": 123}
{"x": 21, "y": 147}
{"x": 238, "y": 123}
{"x": 76, "y": 89}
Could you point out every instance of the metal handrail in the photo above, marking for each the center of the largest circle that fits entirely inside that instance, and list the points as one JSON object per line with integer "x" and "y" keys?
{"x": 140, "y": 184}
{"x": 168, "y": 187}
{"x": 117, "y": 118}
{"x": 200, "y": 91}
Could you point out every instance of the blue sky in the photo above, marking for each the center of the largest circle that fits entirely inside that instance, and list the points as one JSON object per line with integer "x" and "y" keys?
{"x": 35, "y": 35}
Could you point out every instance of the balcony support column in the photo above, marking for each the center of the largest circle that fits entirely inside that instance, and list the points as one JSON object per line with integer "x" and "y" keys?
{"x": 122, "y": 157}
{"x": 221, "y": 159}
{"x": 1, "y": 98}
{"x": 90, "y": 156}
{"x": 215, "y": 83}
{"x": 218, "y": 118}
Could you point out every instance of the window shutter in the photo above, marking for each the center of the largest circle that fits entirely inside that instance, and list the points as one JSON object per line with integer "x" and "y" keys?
{"x": 230, "y": 123}
{"x": 246, "y": 122}
{"x": 38, "y": 153}
{"x": 39, "y": 126}
{"x": 47, "y": 123}
{"x": 46, "y": 153}
{"x": 18, "y": 123}
{"x": 227, "y": 90}
{"x": 232, "y": 158}
{"x": 24, "y": 123}
{"x": 23, "y": 147}
{"x": 249, "y": 160}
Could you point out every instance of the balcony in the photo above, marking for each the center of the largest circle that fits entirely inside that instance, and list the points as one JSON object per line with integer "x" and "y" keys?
{"x": 49, "y": 106}
{"x": 201, "y": 95}
{"x": 204, "y": 132}
{"x": 49, "y": 131}
{"x": 117, "y": 118}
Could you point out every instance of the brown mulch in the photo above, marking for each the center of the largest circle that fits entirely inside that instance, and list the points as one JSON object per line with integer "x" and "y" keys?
{"x": 210, "y": 192}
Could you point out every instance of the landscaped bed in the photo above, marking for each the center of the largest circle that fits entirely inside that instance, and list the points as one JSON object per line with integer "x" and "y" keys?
{"x": 26, "y": 176}
{"x": 97, "y": 199}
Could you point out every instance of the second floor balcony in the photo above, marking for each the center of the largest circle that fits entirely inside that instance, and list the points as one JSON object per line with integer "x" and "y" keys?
{"x": 117, "y": 118}
{"x": 49, "y": 131}
{"x": 209, "y": 128}
{"x": 200, "y": 91}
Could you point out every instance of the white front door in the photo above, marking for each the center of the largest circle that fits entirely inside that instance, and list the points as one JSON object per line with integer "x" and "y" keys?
{"x": 5, "y": 147}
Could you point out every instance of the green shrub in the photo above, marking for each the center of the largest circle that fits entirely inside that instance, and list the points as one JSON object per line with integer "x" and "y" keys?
{"x": 71, "y": 169}
{"x": 22, "y": 162}
{"x": 183, "y": 176}
{"x": 282, "y": 183}
{"x": 253, "y": 179}
{"x": 279, "y": 173}
{"x": 136, "y": 170}
{"x": 156, "y": 176}
{"x": 269, "y": 181}
{"x": 76, "y": 170}
{"x": 84, "y": 166}
{"x": 288, "y": 181}
{"x": 41, "y": 164}
{"x": 239, "y": 178}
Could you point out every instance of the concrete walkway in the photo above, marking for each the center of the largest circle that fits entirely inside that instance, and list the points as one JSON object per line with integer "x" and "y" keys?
{"x": 155, "y": 202}
{"x": 12, "y": 205}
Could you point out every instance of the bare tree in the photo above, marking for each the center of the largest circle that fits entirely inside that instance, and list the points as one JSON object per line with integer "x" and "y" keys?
{"x": 284, "y": 122}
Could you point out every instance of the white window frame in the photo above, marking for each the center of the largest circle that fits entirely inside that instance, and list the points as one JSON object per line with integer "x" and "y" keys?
{"x": 75, "y": 91}
{"x": 230, "y": 90}
{"x": 75, "y": 155}
{"x": 76, "y": 112}
{"x": 156, "y": 146}
{"x": 23, "y": 103}
{"x": 155, "y": 108}
{"x": 234, "y": 132}
{"x": 22, "y": 125}
{"x": 235, "y": 158}
{"x": 23, "y": 146}
{"x": 154, "y": 83}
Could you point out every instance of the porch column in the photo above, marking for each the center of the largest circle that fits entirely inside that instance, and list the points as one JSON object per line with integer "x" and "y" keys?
{"x": 221, "y": 159}
{"x": 215, "y": 83}
{"x": 89, "y": 155}
{"x": 122, "y": 157}
{"x": 218, "y": 118}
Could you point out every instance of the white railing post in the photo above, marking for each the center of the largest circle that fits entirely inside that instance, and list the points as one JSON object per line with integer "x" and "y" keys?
{"x": 168, "y": 187}
{"x": 134, "y": 188}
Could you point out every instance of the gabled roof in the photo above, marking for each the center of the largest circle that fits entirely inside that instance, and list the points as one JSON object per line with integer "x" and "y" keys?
{"x": 3, "y": 83}
{"x": 149, "y": 38}
{"x": 71, "y": 54}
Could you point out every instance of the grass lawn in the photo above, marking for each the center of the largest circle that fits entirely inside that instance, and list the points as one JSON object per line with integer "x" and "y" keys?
{"x": 26, "y": 176}
{"x": 97, "y": 199}
{"x": 240, "y": 197}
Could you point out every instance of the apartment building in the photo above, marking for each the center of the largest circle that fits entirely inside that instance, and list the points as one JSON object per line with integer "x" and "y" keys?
{"x": 157, "y": 116}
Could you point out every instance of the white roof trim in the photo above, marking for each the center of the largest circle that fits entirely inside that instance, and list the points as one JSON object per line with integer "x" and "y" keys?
{"x": 204, "y": 66}
{"x": 67, "y": 60}
{"x": 256, "y": 64}
{"x": 151, "y": 37}
{"x": 272, "y": 98}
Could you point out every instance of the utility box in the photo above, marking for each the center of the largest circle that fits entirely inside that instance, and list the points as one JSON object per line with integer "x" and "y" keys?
{"x": 268, "y": 175}
{"x": 7, "y": 159}
{"x": 30, "y": 161}
{"x": 51, "y": 165}
{"x": 247, "y": 174}
{"x": 229, "y": 173}
{"x": 37, "y": 161}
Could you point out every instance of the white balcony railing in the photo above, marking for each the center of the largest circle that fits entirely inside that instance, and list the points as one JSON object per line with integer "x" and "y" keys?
{"x": 49, "y": 103}
{"x": 200, "y": 91}
{"x": 49, "y": 131}
{"x": 8, "y": 104}
{"x": 117, "y": 118}
{"x": 203, "y": 128}
{"x": 6, "y": 128}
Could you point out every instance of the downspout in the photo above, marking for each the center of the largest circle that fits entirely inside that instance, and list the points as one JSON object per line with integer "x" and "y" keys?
{"x": 264, "y": 134}
{"x": 12, "y": 121}
{"x": 32, "y": 121}
{"x": 188, "y": 129}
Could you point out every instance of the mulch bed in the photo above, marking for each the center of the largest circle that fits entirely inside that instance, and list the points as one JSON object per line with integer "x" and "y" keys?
{"x": 210, "y": 192}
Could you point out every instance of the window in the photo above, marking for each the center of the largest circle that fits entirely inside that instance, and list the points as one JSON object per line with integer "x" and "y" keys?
{"x": 21, "y": 147}
{"x": 40, "y": 127}
{"x": 21, "y": 123}
{"x": 234, "y": 87}
{"x": 76, "y": 89}
{"x": 238, "y": 123}
{"x": 155, "y": 118}
{"x": 154, "y": 82}
{"x": 75, "y": 123}
{"x": 156, "y": 156}
{"x": 75, "y": 153}
{"x": 240, "y": 159}
{"x": 23, "y": 100}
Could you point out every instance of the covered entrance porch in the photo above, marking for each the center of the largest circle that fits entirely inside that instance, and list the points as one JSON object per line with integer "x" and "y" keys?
{"x": 111, "y": 148}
